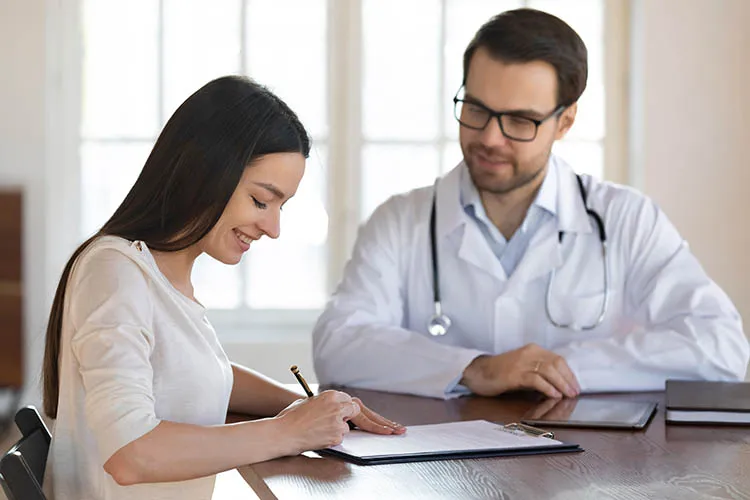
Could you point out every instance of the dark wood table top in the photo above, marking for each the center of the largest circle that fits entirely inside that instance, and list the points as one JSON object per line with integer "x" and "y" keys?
{"x": 660, "y": 462}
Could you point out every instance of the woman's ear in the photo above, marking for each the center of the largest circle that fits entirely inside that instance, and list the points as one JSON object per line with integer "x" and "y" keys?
{"x": 567, "y": 118}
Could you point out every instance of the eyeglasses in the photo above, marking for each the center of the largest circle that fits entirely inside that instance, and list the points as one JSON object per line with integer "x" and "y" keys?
{"x": 476, "y": 116}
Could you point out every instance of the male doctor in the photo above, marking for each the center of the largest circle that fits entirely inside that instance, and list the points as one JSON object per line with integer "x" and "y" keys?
{"x": 531, "y": 297}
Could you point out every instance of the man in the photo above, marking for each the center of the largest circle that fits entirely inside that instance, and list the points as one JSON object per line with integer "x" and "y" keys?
{"x": 549, "y": 281}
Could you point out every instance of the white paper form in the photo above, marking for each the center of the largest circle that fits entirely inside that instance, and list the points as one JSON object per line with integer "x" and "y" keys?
{"x": 473, "y": 435}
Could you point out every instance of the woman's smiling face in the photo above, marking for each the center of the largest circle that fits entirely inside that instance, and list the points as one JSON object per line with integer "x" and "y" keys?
{"x": 254, "y": 209}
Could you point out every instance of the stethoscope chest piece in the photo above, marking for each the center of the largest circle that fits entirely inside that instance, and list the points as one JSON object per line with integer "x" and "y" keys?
{"x": 439, "y": 323}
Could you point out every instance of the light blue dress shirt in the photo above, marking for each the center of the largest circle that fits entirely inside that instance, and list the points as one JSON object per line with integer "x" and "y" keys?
{"x": 510, "y": 252}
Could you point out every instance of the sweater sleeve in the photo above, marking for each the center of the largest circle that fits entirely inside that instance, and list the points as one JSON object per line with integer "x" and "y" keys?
{"x": 112, "y": 343}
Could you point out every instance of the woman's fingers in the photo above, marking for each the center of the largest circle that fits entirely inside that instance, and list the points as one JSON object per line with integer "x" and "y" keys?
{"x": 370, "y": 421}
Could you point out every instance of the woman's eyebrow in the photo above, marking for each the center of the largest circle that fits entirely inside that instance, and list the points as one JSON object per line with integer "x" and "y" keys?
{"x": 272, "y": 189}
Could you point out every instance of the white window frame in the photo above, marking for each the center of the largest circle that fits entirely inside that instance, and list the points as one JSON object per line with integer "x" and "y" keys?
{"x": 344, "y": 145}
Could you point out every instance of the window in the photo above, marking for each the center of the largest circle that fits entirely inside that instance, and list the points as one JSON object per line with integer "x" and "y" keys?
{"x": 133, "y": 84}
{"x": 418, "y": 85}
{"x": 344, "y": 67}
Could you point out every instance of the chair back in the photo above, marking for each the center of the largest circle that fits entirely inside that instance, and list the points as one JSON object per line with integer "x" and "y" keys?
{"x": 22, "y": 467}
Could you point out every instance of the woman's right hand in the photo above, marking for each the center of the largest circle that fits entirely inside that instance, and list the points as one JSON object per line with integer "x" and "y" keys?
{"x": 317, "y": 422}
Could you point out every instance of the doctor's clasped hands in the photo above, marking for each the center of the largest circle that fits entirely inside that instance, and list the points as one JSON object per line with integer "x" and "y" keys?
{"x": 529, "y": 367}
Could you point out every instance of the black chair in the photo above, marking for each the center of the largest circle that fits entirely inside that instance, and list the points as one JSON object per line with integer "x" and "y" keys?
{"x": 22, "y": 467}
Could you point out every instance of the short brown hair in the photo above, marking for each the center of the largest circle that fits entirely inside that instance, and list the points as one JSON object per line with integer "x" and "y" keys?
{"x": 525, "y": 35}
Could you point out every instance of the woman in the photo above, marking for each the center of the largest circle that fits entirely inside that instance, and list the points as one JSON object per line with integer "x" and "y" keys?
{"x": 133, "y": 371}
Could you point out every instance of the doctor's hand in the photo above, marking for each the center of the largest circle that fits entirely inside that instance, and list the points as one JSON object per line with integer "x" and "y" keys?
{"x": 529, "y": 367}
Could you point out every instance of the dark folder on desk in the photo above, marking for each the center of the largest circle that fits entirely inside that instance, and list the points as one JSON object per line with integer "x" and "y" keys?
{"x": 447, "y": 441}
{"x": 698, "y": 402}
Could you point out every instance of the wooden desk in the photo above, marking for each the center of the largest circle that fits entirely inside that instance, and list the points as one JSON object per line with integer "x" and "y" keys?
{"x": 664, "y": 462}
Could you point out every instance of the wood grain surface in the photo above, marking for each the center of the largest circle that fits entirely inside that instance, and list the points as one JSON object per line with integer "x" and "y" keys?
{"x": 660, "y": 462}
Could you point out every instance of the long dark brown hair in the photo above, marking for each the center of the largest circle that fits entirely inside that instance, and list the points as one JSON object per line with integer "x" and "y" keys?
{"x": 187, "y": 180}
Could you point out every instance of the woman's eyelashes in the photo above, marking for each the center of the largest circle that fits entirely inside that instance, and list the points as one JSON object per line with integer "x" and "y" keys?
{"x": 259, "y": 204}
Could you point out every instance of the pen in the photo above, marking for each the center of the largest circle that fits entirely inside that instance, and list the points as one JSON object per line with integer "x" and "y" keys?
{"x": 301, "y": 381}
{"x": 306, "y": 388}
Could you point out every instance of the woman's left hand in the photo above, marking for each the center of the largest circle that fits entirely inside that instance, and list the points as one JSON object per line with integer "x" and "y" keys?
{"x": 368, "y": 420}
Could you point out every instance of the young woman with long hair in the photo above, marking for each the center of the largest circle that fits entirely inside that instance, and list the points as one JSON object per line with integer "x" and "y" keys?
{"x": 133, "y": 372}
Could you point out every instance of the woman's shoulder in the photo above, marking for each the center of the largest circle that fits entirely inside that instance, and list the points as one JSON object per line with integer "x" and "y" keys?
{"x": 112, "y": 242}
{"x": 113, "y": 255}
{"x": 108, "y": 273}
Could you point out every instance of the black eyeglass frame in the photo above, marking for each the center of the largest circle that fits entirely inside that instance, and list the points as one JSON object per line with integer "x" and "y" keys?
{"x": 499, "y": 114}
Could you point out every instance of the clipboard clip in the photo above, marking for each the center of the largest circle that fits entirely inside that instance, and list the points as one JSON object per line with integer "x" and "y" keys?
{"x": 527, "y": 429}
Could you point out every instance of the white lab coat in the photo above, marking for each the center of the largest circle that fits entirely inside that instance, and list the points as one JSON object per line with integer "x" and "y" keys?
{"x": 666, "y": 318}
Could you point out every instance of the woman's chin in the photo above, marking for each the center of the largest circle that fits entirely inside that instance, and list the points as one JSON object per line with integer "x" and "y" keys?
{"x": 230, "y": 259}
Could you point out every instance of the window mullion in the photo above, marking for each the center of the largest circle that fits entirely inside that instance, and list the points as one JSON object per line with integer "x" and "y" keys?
{"x": 243, "y": 37}
{"x": 617, "y": 19}
{"x": 160, "y": 67}
{"x": 344, "y": 49}
{"x": 441, "y": 138}
{"x": 244, "y": 267}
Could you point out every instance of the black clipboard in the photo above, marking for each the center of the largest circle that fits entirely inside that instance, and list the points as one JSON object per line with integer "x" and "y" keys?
{"x": 542, "y": 449}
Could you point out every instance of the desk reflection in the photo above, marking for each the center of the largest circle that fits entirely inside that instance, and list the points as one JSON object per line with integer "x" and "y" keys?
{"x": 309, "y": 465}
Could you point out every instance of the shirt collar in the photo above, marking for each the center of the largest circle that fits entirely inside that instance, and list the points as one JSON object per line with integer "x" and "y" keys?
{"x": 559, "y": 194}
{"x": 546, "y": 197}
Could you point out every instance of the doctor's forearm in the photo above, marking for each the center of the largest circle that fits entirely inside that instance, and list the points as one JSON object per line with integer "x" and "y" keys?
{"x": 643, "y": 360}
{"x": 390, "y": 359}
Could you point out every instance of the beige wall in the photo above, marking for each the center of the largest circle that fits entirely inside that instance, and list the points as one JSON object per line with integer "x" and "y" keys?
{"x": 693, "y": 76}
{"x": 22, "y": 153}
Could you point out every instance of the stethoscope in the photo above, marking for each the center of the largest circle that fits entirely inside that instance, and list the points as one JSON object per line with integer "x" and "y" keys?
{"x": 440, "y": 322}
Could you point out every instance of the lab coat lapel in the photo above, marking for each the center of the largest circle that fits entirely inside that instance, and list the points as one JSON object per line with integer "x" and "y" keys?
{"x": 542, "y": 255}
{"x": 475, "y": 250}
{"x": 452, "y": 222}
{"x": 544, "y": 252}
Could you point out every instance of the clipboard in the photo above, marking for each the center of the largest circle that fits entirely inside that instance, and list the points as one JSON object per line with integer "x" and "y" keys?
{"x": 448, "y": 441}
